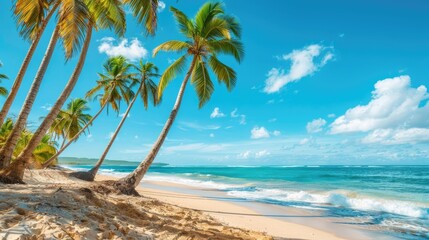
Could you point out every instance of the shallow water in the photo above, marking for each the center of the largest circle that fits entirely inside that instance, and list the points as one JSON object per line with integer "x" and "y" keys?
{"x": 389, "y": 199}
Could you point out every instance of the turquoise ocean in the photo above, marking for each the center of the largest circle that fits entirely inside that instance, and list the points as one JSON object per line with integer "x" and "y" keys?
{"x": 393, "y": 200}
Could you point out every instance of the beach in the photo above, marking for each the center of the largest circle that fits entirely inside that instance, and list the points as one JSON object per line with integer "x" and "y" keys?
{"x": 54, "y": 206}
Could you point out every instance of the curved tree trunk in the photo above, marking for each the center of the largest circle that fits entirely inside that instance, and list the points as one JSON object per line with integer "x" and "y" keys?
{"x": 50, "y": 118}
{"x": 52, "y": 159}
{"x": 128, "y": 184}
{"x": 90, "y": 175}
{"x": 7, "y": 150}
{"x": 18, "y": 80}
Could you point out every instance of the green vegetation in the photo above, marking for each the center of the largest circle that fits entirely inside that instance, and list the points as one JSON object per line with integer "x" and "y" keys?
{"x": 209, "y": 35}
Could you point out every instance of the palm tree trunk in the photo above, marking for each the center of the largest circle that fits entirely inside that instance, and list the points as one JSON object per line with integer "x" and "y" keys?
{"x": 52, "y": 159}
{"x": 94, "y": 170}
{"x": 128, "y": 184}
{"x": 50, "y": 118}
{"x": 18, "y": 80}
{"x": 7, "y": 150}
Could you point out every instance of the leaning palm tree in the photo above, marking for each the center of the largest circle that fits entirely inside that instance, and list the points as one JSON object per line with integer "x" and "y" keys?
{"x": 210, "y": 33}
{"x": 3, "y": 90}
{"x": 115, "y": 84}
{"x": 75, "y": 17}
{"x": 71, "y": 21}
{"x": 32, "y": 18}
{"x": 70, "y": 120}
{"x": 113, "y": 92}
{"x": 147, "y": 90}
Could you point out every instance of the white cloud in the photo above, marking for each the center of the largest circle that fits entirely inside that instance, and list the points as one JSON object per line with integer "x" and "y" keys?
{"x": 259, "y": 132}
{"x": 272, "y": 120}
{"x": 244, "y": 155}
{"x": 123, "y": 114}
{"x": 216, "y": 113}
{"x": 136, "y": 137}
{"x": 89, "y": 138}
{"x": 211, "y": 135}
{"x": 132, "y": 51}
{"x": 47, "y": 107}
{"x": 316, "y": 125}
{"x": 397, "y": 136}
{"x": 394, "y": 104}
{"x": 276, "y": 133}
{"x": 198, "y": 127}
{"x": 397, "y": 113}
{"x": 234, "y": 114}
{"x": 261, "y": 154}
{"x": 304, "y": 141}
{"x": 161, "y": 6}
{"x": 304, "y": 62}
{"x": 332, "y": 115}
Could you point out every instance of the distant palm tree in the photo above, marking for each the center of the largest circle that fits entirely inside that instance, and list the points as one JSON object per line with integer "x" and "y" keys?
{"x": 71, "y": 120}
{"x": 3, "y": 91}
{"x": 210, "y": 33}
{"x": 147, "y": 90}
{"x": 114, "y": 85}
{"x": 44, "y": 150}
{"x": 32, "y": 18}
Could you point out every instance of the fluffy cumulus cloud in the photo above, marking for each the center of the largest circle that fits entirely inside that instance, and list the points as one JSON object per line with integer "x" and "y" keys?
{"x": 132, "y": 50}
{"x": 316, "y": 125}
{"x": 259, "y": 132}
{"x": 304, "y": 62}
{"x": 397, "y": 113}
{"x": 216, "y": 113}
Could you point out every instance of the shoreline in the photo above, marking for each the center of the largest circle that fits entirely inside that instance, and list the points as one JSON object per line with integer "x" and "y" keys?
{"x": 277, "y": 221}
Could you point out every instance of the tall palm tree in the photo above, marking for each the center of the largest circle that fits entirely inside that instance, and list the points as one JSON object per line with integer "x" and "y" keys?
{"x": 71, "y": 22}
{"x": 32, "y": 18}
{"x": 115, "y": 84}
{"x": 113, "y": 92}
{"x": 106, "y": 13}
{"x": 147, "y": 90}
{"x": 71, "y": 120}
{"x": 3, "y": 90}
{"x": 210, "y": 33}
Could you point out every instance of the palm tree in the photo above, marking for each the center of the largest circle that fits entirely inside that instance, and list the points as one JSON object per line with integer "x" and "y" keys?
{"x": 113, "y": 93}
{"x": 210, "y": 33}
{"x": 3, "y": 91}
{"x": 44, "y": 150}
{"x": 71, "y": 120}
{"x": 147, "y": 90}
{"x": 71, "y": 22}
{"x": 30, "y": 16}
{"x": 115, "y": 84}
{"x": 105, "y": 14}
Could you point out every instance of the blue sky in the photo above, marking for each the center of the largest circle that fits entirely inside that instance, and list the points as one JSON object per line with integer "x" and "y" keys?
{"x": 332, "y": 82}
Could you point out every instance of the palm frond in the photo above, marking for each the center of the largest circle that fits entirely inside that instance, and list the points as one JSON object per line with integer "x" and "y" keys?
{"x": 73, "y": 21}
{"x": 206, "y": 13}
{"x": 172, "y": 46}
{"x": 186, "y": 27}
{"x": 202, "y": 83}
{"x": 228, "y": 47}
{"x": 146, "y": 12}
{"x": 223, "y": 73}
{"x": 170, "y": 73}
{"x": 29, "y": 16}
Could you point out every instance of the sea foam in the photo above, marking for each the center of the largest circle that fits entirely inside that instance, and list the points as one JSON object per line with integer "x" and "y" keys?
{"x": 336, "y": 199}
